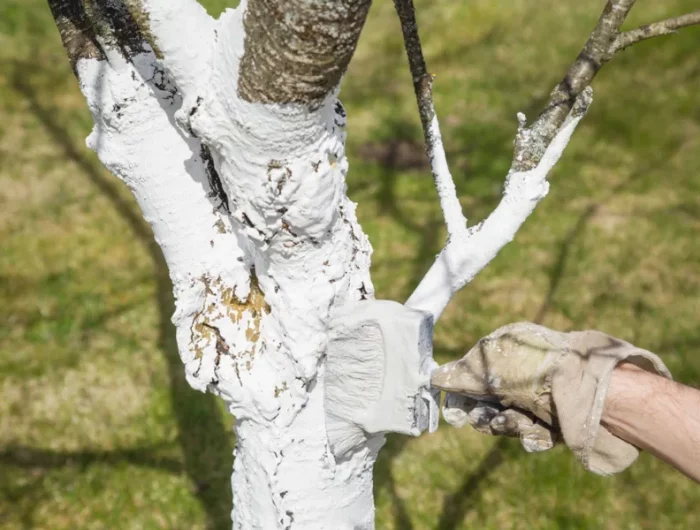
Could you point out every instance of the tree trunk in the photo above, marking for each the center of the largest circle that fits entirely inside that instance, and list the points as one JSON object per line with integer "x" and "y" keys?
{"x": 238, "y": 164}
{"x": 287, "y": 478}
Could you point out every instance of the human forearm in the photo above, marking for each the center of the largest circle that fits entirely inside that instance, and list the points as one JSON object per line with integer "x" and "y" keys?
{"x": 657, "y": 415}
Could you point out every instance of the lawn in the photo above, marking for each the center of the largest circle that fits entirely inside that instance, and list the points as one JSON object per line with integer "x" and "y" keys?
{"x": 98, "y": 428}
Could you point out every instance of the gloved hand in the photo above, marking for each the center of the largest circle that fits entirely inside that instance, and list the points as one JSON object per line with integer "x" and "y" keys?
{"x": 528, "y": 381}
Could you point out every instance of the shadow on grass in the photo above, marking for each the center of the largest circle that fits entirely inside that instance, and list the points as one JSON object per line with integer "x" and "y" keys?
{"x": 206, "y": 443}
{"x": 143, "y": 456}
{"x": 457, "y": 505}
{"x": 454, "y": 507}
{"x": 557, "y": 271}
{"x": 384, "y": 478}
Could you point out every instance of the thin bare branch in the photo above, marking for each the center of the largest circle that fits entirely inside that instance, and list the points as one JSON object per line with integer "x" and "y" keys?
{"x": 657, "y": 29}
{"x": 537, "y": 148}
{"x": 597, "y": 51}
{"x": 423, "y": 86}
{"x": 462, "y": 258}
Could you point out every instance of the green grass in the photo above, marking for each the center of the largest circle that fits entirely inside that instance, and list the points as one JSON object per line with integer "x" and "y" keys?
{"x": 98, "y": 428}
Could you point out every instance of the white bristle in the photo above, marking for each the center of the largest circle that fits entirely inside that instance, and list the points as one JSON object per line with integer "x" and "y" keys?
{"x": 354, "y": 375}
{"x": 377, "y": 376}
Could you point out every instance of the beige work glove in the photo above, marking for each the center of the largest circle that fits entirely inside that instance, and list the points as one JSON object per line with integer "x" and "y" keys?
{"x": 528, "y": 381}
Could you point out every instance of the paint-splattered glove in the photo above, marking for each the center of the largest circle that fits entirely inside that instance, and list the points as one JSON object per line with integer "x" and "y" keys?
{"x": 529, "y": 381}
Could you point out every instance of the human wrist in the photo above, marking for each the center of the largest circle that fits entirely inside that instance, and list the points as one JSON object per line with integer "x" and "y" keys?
{"x": 630, "y": 394}
{"x": 656, "y": 414}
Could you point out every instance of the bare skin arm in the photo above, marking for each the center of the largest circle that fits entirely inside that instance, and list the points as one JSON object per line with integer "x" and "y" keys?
{"x": 657, "y": 415}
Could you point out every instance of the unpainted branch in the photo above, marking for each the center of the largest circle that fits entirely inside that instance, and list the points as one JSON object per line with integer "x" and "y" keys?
{"x": 597, "y": 51}
{"x": 423, "y": 87}
{"x": 77, "y": 33}
{"x": 605, "y": 41}
{"x": 88, "y": 26}
{"x": 657, "y": 29}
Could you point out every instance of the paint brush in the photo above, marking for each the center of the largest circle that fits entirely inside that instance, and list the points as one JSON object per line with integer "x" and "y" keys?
{"x": 377, "y": 380}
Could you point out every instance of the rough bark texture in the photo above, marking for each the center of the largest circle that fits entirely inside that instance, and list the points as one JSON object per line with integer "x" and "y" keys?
{"x": 296, "y": 51}
{"x": 598, "y": 50}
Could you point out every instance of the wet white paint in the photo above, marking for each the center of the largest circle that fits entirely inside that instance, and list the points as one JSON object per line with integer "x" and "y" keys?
{"x": 468, "y": 252}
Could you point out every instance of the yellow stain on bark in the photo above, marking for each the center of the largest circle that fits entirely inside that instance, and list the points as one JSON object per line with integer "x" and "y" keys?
{"x": 222, "y": 301}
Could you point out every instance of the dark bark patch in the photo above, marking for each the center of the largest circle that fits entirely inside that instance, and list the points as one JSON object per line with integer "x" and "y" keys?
{"x": 79, "y": 38}
{"x": 217, "y": 187}
{"x": 113, "y": 22}
{"x": 88, "y": 25}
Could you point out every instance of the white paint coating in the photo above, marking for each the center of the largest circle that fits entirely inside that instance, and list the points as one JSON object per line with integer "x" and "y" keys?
{"x": 135, "y": 138}
{"x": 185, "y": 35}
{"x": 447, "y": 193}
{"x": 466, "y": 253}
{"x": 283, "y": 169}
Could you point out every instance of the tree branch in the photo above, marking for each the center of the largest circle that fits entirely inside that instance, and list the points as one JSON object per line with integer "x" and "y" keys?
{"x": 656, "y": 29}
{"x": 467, "y": 251}
{"x": 598, "y": 50}
{"x": 423, "y": 85}
{"x": 462, "y": 258}
{"x": 296, "y": 51}
{"x": 93, "y": 28}
{"x": 76, "y": 30}
{"x": 133, "y": 104}
{"x": 182, "y": 34}
{"x": 537, "y": 148}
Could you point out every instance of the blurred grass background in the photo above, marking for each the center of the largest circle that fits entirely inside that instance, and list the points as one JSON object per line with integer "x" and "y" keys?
{"x": 98, "y": 428}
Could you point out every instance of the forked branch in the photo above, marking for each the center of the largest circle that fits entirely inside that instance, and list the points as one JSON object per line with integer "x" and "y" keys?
{"x": 537, "y": 149}
{"x": 181, "y": 34}
{"x": 597, "y": 51}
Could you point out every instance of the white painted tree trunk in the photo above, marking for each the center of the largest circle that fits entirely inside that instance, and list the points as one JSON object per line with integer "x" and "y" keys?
{"x": 256, "y": 266}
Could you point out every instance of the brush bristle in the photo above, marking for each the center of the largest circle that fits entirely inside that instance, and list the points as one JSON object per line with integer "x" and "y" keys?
{"x": 343, "y": 435}
{"x": 354, "y": 378}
